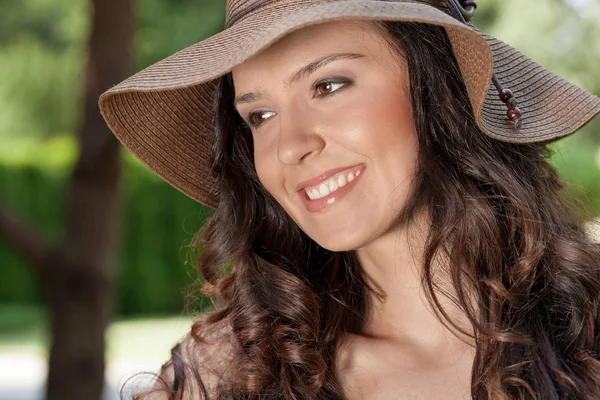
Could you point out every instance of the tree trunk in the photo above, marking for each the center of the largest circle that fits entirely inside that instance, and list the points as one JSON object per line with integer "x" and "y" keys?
{"x": 78, "y": 275}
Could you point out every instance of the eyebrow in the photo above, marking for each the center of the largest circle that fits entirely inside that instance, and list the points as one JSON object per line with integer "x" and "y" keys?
{"x": 303, "y": 72}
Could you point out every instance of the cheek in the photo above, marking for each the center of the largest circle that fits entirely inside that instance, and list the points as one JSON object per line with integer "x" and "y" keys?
{"x": 380, "y": 123}
{"x": 392, "y": 107}
{"x": 268, "y": 175}
{"x": 398, "y": 142}
{"x": 394, "y": 121}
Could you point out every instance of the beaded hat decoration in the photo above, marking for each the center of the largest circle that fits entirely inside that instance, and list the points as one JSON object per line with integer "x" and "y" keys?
{"x": 163, "y": 114}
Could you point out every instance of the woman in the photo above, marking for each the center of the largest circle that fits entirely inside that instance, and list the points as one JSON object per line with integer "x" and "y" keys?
{"x": 386, "y": 204}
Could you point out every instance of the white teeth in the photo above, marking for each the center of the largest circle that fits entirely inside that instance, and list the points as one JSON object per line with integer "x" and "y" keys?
{"x": 323, "y": 190}
{"x": 330, "y": 186}
{"x": 333, "y": 185}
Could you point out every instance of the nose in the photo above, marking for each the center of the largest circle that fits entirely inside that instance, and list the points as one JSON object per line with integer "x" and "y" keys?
{"x": 299, "y": 139}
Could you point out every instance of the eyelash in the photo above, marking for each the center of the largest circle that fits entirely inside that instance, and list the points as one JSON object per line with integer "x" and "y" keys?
{"x": 343, "y": 82}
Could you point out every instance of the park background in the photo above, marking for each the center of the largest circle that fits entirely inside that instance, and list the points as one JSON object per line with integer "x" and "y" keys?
{"x": 44, "y": 50}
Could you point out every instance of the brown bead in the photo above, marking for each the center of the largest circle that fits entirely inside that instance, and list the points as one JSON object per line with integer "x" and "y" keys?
{"x": 469, "y": 5}
{"x": 513, "y": 113}
{"x": 506, "y": 95}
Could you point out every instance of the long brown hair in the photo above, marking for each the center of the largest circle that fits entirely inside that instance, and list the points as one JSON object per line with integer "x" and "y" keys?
{"x": 497, "y": 214}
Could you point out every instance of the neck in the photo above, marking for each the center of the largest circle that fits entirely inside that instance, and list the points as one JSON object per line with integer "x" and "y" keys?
{"x": 393, "y": 264}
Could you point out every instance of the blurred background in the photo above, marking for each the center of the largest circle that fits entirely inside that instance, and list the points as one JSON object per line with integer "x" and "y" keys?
{"x": 95, "y": 264}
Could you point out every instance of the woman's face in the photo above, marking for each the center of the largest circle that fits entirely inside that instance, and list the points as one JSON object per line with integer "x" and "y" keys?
{"x": 334, "y": 138}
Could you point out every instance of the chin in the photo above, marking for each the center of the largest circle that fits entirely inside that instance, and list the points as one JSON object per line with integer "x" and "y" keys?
{"x": 338, "y": 243}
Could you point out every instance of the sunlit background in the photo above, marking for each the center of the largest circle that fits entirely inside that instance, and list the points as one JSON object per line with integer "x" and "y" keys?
{"x": 43, "y": 53}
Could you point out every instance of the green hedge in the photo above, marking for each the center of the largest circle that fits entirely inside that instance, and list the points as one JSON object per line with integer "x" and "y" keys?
{"x": 154, "y": 264}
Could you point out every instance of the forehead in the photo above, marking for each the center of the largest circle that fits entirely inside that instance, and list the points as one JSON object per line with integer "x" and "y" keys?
{"x": 298, "y": 47}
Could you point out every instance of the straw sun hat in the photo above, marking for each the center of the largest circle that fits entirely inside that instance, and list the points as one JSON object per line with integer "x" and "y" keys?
{"x": 163, "y": 113}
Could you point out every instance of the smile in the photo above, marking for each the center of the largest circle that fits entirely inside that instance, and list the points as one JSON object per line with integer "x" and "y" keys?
{"x": 332, "y": 184}
{"x": 326, "y": 190}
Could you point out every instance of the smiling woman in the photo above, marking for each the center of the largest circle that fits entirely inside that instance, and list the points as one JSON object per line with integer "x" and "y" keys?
{"x": 395, "y": 227}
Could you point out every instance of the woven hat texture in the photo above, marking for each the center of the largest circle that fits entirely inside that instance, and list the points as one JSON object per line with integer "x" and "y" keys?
{"x": 163, "y": 114}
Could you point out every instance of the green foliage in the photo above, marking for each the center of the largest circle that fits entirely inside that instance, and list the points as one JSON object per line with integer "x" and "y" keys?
{"x": 577, "y": 160}
{"x": 42, "y": 51}
{"x": 57, "y": 24}
{"x": 154, "y": 264}
{"x": 165, "y": 27}
{"x": 158, "y": 224}
{"x": 37, "y": 195}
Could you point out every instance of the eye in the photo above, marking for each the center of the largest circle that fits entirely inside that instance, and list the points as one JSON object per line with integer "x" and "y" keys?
{"x": 255, "y": 119}
{"x": 326, "y": 88}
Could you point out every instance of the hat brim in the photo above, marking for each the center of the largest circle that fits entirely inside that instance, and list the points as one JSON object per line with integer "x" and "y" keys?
{"x": 163, "y": 114}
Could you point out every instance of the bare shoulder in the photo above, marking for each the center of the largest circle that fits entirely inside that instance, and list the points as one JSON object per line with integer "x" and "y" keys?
{"x": 354, "y": 367}
{"x": 204, "y": 362}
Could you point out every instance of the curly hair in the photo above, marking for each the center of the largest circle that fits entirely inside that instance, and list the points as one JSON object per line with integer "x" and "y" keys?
{"x": 524, "y": 272}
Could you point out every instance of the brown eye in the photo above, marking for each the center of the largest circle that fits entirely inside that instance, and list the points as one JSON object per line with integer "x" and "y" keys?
{"x": 328, "y": 87}
{"x": 255, "y": 119}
